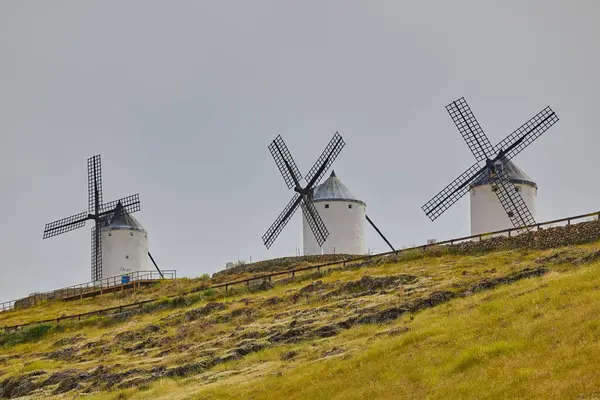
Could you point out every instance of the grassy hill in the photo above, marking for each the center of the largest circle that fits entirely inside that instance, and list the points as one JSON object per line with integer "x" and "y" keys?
{"x": 510, "y": 323}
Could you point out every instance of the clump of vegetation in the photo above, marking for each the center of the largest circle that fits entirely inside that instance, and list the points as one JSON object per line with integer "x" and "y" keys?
{"x": 27, "y": 334}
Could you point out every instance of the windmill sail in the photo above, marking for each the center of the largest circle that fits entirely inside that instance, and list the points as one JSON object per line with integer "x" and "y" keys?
{"x": 291, "y": 175}
{"x": 495, "y": 159}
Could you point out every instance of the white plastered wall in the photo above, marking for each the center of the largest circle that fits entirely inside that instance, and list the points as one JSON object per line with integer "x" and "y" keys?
{"x": 346, "y": 228}
{"x": 123, "y": 251}
{"x": 488, "y": 215}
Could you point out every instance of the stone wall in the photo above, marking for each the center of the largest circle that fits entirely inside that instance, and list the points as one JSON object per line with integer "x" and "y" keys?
{"x": 568, "y": 235}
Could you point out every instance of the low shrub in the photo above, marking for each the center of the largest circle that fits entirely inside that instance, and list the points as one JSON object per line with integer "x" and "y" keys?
{"x": 26, "y": 335}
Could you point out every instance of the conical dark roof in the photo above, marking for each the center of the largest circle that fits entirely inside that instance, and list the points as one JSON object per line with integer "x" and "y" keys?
{"x": 515, "y": 173}
{"x": 333, "y": 189}
{"x": 121, "y": 219}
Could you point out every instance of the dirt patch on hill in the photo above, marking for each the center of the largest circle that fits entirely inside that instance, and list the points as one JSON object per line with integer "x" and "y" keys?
{"x": 368, "y": 284}
{"x": 197, "y": 313}
{"x": 68, "y": 341}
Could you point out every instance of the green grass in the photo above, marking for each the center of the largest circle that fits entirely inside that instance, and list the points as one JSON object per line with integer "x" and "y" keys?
{"x": 28, "y": 334}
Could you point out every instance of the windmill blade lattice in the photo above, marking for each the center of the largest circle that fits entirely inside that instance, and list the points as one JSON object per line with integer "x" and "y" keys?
{"x": 285, "y": 162}
{"x": 65, "y": 225}
{"x": 511, "y": 199}
{"x": 94, "y": 184}
{"x": 131, "y": 204}
{"x": 451, "y": 193}
{"x": 96, "y": 254}
{"x": 281, "y": 221}
{"x": 517, "y": 141}
{"x": 469, "y": 128}
{"x": 333, "y": 149}
{"x": 317, "y": 226}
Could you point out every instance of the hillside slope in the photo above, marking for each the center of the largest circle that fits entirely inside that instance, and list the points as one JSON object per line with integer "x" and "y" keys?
{"x": 511, "y": 323}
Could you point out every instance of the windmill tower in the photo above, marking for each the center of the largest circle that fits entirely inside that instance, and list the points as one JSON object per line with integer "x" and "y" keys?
{"x": 498, "y": 183}
{"x": 345, "y": 219}
{"x": 487, "y": 214}
{"x": 119, "y": 242}
{"x": 124, "y": 244}
{"x": 343, "y": 214}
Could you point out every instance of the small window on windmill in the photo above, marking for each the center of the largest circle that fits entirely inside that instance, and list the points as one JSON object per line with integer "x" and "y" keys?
{"x": 326, "y": 205}
{"x": 127, "y": 257}
{"x": 349, "y": 205}
{"x": 130, "y": 233}
{"x": 497, "y": 168}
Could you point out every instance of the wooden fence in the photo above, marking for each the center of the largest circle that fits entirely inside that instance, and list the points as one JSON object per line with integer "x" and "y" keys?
{"x": 83, "y": 288}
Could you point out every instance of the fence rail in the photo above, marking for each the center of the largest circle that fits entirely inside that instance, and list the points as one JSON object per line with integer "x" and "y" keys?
{"x": 7, "y": 305}
{"x": 263, "y": 277}
{"x": 87, "y": 287}
{"x": 114, "y": 281}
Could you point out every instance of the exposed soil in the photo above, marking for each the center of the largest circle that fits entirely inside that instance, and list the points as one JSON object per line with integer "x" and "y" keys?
{"x": 203, "y": 311}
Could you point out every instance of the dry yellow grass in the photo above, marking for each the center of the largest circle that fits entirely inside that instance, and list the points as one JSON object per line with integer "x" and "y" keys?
{"x": 535, "y": 338}
{"x": 538, "y": 338}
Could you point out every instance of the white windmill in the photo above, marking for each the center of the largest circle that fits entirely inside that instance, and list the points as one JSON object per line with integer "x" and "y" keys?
{"x": 501, "y": 193}
{"x": 343, "y": 214}
{"x": 119, "y": 242}
{"x": 331, "y": 213}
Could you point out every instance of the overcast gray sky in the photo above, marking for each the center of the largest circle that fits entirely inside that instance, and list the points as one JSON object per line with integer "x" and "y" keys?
{"x": 181, "y": 98}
